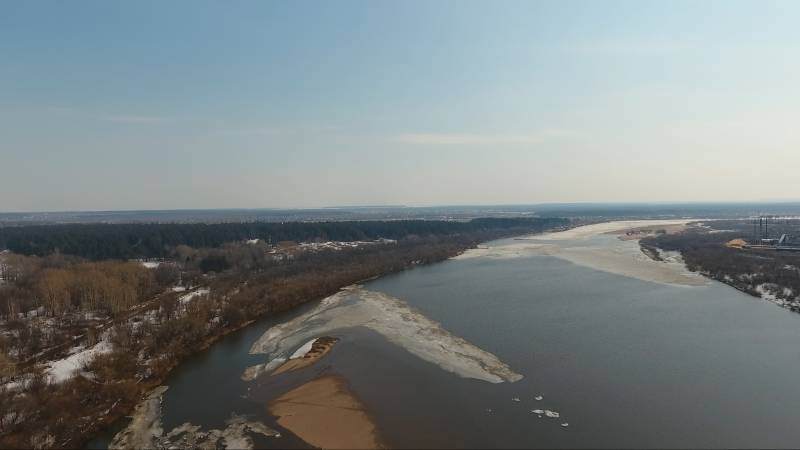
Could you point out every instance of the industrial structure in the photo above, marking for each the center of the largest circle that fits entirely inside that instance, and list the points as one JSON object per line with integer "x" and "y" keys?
{"x": 762, "y": 239}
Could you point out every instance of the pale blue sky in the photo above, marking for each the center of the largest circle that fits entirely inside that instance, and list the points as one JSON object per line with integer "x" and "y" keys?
{"x": 193, "y": 104}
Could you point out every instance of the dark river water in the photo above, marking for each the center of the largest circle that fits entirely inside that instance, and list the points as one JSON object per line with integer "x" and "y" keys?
{"x": 626, "y": 362}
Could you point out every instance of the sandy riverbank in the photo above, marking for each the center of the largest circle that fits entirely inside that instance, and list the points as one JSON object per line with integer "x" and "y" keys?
{"x": 325, "y": 414}
{"x": 586, "y": 246}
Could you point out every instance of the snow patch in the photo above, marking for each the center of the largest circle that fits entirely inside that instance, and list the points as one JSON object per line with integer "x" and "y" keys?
{"x": 186, "y": 298}
{"x": 766, "y": 291}
{"x": 66, "y": 368}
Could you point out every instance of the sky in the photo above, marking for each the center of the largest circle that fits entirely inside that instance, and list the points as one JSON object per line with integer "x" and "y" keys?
{"x": 249, "y": 104}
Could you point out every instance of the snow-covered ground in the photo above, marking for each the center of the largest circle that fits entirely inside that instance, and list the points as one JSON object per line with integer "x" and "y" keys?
{"x": 339, "y": 245}
{"x": 781, "y": 296}
{"x": 63, "y": 369}
{"x": 187, "y": 298}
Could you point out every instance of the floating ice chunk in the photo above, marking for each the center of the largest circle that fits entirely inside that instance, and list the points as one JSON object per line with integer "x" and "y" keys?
{"x": 537, "y": 411}
{"x": 252, "y": 372}
{"x": 515, "y": 399}
{"x": 551, "y": 414}
{"x": 538, "y": 398}
{"x": 565, "y": 424}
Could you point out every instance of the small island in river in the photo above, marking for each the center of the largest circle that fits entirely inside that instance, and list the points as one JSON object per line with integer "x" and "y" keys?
{"x": 317, "y": 349}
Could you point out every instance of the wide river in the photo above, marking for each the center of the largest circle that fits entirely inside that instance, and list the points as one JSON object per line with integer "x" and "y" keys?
{"x": 636, "y": 354}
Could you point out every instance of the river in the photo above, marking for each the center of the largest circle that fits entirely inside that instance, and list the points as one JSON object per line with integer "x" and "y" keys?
{"x": 629, "y": 354}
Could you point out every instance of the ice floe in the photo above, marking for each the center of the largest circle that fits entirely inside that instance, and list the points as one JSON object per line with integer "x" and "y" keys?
{"x": 396, "y": 321}
{"x": 146, "y": 431}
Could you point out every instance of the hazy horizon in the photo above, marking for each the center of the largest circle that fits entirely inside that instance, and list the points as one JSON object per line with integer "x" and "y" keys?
{"x": 420, "y": 205}
{"x": 203, "y": 105}
{"x": 743, "y": 208}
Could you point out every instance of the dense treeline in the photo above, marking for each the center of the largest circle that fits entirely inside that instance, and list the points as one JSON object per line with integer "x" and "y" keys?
{"x": 127, "y": 241}
{"x": 107, "y": 286}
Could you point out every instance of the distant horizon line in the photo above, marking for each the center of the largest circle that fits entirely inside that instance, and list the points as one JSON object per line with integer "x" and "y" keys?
{"x": 418, "y": 206}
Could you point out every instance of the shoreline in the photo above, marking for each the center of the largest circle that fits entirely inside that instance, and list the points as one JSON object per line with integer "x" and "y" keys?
{"x": 766, "y": 291}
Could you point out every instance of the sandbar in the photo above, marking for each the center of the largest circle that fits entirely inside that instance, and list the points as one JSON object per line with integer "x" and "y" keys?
{"x": 325, "y": 414}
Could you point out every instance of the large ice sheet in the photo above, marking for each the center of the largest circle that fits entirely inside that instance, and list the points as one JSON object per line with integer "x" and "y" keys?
{"x": 394, "y": 319}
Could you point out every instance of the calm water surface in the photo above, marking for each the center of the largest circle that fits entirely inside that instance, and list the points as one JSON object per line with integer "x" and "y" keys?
{"x": 627, "y": 363}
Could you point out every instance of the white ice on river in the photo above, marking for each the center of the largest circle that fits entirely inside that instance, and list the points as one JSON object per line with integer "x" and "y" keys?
{"x": 395, "y": 320}
{"x": 596, "y": 246}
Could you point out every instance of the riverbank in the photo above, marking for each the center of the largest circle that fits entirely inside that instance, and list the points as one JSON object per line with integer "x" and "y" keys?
{"x": 718, "y": 252}
{"x": 145, "y": 430}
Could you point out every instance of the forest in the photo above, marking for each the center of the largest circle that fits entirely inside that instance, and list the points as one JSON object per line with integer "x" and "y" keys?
{"x": 131, "y": 241}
